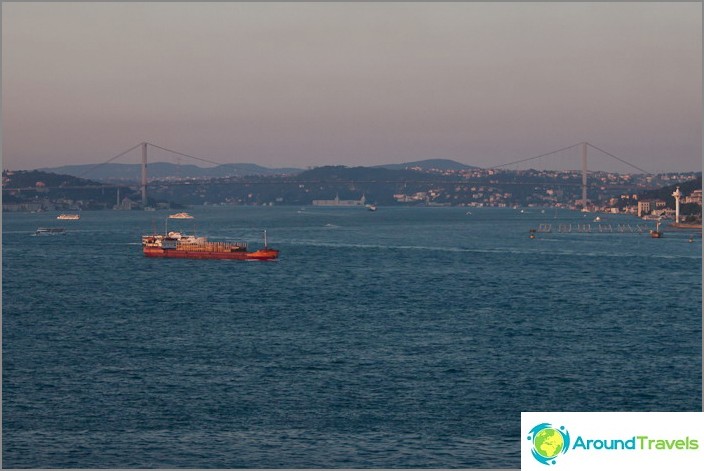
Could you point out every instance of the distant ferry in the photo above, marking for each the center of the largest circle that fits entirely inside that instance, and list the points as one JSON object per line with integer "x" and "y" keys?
{"x": 181, "y": 216}
{"x": 70, "y": 217}
{"x": 177, "y": 245}
{"x": 48, "y": 231}
{"x": 338, "y": 202}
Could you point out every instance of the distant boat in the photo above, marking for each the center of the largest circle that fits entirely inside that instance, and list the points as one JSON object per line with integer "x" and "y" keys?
{"x": 70, "y": 217}
{"x": 181, "y": 216}
{"x": 47, "y": 231}
{"x": 371, "y": 207}
{"x": 657, "y": 233}
{"x": 597, "y": 219}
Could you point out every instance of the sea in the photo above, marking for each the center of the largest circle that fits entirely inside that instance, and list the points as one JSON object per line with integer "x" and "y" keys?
{"x": 408, "y": 337}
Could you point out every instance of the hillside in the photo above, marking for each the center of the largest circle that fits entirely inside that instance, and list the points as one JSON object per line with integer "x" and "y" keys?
{"x": 54, "y": 191}
{"x": 692, "y": 210}
{"x": 429, "y": 164}
{"x": 163, "y": 170}
{"x": 132, "y": 172}
{"x": 39, "y": 178}
{"x": 29, "y": 190}
{"x": 341, "y": 173}
{"x": 665, "y": 193}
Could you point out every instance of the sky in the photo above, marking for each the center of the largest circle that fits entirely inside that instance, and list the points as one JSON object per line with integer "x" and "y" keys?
{"x": 310, "y": 84}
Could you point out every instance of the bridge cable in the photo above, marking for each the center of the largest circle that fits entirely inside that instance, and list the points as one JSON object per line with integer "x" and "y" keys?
{"x": 620, "y": 160}
{"x": 108, "y": 161}
{"x": 537, "y": 157}
{"x": 186, "y": 155}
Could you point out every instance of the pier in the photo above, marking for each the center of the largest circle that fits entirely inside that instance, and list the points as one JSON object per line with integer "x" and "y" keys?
{"x": 593, "y": 228}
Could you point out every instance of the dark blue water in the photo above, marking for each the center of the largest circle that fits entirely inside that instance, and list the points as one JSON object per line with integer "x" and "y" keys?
{"x": 406, "y": 337}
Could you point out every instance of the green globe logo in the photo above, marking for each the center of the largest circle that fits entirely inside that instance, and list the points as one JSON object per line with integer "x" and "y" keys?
{"x": 549, "y": 442}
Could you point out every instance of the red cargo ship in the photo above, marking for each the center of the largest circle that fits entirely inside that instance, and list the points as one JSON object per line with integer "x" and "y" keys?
{"x": 176, "y": 245}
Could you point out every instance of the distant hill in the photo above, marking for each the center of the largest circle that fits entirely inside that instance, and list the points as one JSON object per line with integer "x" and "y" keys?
{"x": 376, "y": 184}
{"x": 39, "y": 178}
{"x": 51, "y": 191}
{"x": 438, "y": 164}
{"x": 341, "y": 173}
{"x": 132, "y": 172}
{"x": 166, "y": 170}
{"x": 665, "y": 193}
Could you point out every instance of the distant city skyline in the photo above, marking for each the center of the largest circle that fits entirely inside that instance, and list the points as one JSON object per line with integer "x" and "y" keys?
{"x": 311, "y": 84}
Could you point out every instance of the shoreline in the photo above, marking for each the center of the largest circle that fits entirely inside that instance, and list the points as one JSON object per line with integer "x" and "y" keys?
{"x": 681, "y": 225}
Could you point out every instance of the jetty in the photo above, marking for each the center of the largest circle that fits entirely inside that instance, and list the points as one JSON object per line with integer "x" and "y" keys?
{"x": 589, "y": 228}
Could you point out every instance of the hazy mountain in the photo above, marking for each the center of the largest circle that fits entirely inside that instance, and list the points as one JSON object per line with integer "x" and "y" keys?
{"x": 341, "y": 173}
{"x": 165, "y": 170}
{"x": 438, "y": 164}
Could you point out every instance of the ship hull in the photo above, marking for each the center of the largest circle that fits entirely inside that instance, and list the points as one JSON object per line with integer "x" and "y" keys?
{"x": 265, "y": 254}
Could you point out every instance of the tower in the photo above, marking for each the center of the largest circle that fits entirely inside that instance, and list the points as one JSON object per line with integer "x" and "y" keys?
{"x": 677, "y": 194}
{"x": 584, "y": 175}
{"x": 144, "y": 174}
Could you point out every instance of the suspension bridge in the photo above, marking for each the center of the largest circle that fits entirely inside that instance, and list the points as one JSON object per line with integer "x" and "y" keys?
{"x": 583, "y": 147}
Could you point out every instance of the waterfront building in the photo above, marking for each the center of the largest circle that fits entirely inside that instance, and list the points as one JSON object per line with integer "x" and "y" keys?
{"x": 694, "y": 197}
{"x": 644, "y": 207}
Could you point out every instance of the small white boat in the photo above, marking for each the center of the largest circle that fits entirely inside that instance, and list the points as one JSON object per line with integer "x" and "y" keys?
{"x": 48, "y": 231}
{"x": 69, "y": 217}
{"x": 597, "y": 219}
{"x": 180, "y": 216}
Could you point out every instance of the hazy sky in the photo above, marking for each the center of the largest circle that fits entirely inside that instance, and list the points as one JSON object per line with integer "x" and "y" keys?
{"x": 307, "y": 84}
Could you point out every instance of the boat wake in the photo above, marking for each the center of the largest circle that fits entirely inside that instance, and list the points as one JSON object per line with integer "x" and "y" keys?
{"x": 498, "y": 250}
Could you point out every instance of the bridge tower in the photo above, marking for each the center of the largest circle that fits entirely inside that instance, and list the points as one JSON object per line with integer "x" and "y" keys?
{"x": 144, "y": 175}
{"x": 584, "y": 175}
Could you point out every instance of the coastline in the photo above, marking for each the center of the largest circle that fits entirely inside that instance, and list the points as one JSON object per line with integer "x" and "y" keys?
{"x": 681, "y": 225}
